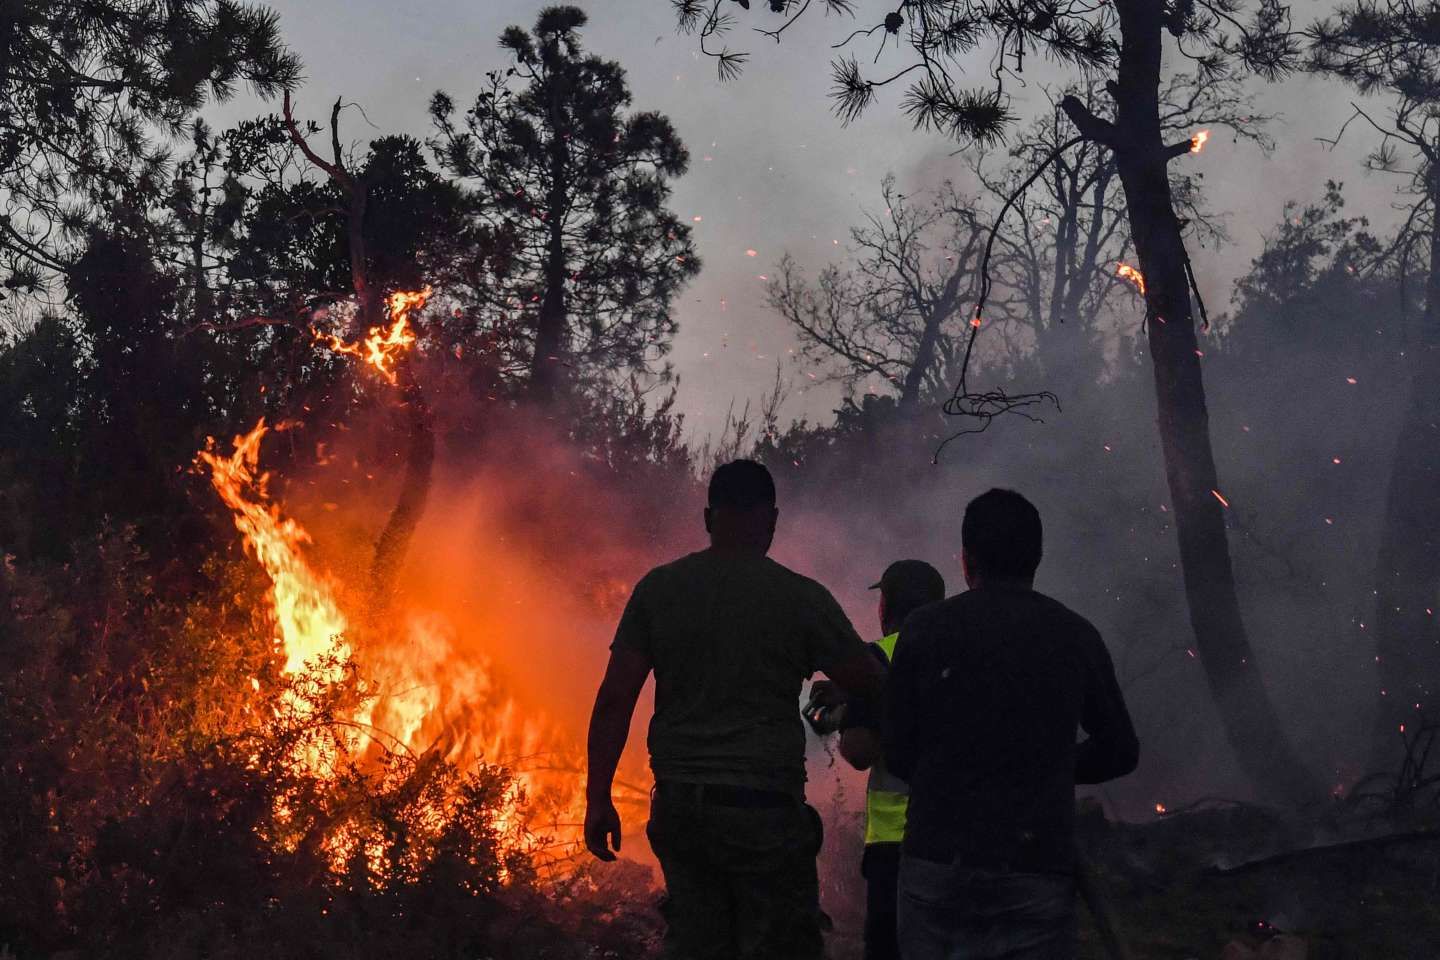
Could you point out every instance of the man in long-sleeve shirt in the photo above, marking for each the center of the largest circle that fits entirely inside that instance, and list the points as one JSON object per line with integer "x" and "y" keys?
{"x": 986, "y": 692}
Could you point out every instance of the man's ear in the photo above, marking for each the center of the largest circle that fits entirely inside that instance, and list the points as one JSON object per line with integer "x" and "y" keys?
{"x": 965, "y": 566}
{"x": 707, "y": 520}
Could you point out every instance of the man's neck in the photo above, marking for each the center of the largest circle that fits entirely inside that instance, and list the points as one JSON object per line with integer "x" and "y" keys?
{"x": 1003, "y": 583}
{"x": 749, "y": 550}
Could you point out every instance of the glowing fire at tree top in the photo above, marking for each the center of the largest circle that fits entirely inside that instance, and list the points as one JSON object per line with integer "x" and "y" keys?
{"x": 384, "y": 344}
{"x": 1197, "y": 142}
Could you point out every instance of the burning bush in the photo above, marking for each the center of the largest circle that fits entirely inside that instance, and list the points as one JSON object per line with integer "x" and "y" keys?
{"x": 162, "y": 797}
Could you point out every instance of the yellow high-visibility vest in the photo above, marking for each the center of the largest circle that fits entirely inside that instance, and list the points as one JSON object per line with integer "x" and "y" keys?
{"x": 886, "y": 796}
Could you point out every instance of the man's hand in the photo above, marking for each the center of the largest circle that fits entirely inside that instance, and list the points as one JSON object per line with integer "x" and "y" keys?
{"x": 602, "y": 829}
{"x": 826, "y": 694}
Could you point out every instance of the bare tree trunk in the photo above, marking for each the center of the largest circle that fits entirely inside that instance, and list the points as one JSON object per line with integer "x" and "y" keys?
{"x": 939, "y": 311}
{"x": 1407, "y": 576}
{"x": 405, "y": 516}
{"x": 1251, "y": 723}
{"x": 547, "y": 364}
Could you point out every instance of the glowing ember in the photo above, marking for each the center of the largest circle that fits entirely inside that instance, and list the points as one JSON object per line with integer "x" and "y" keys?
{"x": 383, "y": 344}
{"x": 1127, "y": 272}
{"x": 1197, "y": 142}
{"x": 1160, "y": 809}
{"x": 1219, "y": 496}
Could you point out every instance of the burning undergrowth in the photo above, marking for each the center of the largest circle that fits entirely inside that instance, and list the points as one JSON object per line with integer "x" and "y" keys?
{"x": 269, "y": 750}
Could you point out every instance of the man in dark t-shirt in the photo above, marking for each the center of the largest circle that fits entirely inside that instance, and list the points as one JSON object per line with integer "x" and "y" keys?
{"x": 986, "y": 693}
{"x": 731, "y": 636}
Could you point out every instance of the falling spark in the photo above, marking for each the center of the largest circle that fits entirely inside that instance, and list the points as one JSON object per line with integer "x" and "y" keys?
{"x": 1127, "y": 272}
{"x": 1219, "y": 496}
{"x": 1197, "y": 142}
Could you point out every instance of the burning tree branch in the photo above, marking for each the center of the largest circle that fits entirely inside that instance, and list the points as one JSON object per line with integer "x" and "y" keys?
{"x": 394, "y": 364}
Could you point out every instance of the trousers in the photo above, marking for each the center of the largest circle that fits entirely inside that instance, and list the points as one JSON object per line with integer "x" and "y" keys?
{"x": 953, "y": 912}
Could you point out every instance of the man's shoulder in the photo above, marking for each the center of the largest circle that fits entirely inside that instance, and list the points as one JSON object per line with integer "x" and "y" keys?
{"x": 1064, "y": 616}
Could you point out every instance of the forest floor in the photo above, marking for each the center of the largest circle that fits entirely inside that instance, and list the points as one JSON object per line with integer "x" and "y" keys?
{"x": 1189, "y": 884}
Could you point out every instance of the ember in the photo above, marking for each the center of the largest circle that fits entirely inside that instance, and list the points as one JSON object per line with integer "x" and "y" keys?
{"x": 1127, "y": 272}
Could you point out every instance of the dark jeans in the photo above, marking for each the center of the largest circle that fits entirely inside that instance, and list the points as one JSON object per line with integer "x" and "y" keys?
{"x": 953, "y": 912}
{"x": 880, "y": 867}
{"x": 740, "y": 882}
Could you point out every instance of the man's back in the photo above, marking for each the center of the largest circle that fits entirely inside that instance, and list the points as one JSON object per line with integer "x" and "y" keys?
{"x": 986, "y": 692}
{"x": 731, "y": 638}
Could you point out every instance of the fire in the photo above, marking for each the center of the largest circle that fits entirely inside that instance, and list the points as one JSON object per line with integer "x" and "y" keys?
{"x": 1197, "y": 142}
{"x": 309, "y": 620}
{"x": 384, "y": 344}
{"x": 432, "y": 688}
{"x": 1127, "y": 272}
{"x": 1161, "y": 809}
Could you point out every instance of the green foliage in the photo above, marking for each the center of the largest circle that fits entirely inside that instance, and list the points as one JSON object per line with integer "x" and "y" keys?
{"x": 83, "y": 88}
{"x": 574, "y": 188}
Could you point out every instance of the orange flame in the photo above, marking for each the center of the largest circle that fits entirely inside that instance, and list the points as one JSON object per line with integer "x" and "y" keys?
{"x": 1127, "y": 272}
{"x": 1197, "y": 142}
{"x": 310, "y": 622}
{"x": 384, "y": 344}
{"x": 431, "y": 693}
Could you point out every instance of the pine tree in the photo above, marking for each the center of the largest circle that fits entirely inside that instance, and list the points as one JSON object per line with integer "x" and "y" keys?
{"x": 577, "y": 188}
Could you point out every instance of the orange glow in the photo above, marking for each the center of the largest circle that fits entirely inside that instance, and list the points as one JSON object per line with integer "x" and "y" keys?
{"x": 1127, "y": 272}
{"x": 1160, "y": 809}
{"x": 1218, "y": 496}
{"x": 437, "y": 688}
{"x": 383, "y": 344}
{"x": 1197, "y": 142}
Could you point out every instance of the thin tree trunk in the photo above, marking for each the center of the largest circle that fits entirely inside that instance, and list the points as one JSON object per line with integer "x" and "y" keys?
{"x": 1251, "y": 723}
{"x": 1407, "y": 576}
{"x": 939, "y": 311}
{"x": 399, "y": 529}
{"x": 547, "y": 365}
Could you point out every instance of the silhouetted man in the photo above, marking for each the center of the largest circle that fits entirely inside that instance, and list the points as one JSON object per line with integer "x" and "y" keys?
{"x": 731, "y": 636}
{"x": 984, "y": 699}
{"x": 905, "y": 586}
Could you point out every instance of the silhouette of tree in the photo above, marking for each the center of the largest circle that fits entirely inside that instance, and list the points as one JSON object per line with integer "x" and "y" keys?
{"x": 576, "y": 189}
{"x": 1128, "y": 38}
{"x": 896, "y": 310}
{"x": 1393, "y": 48}
{"x": 83, "y": 85}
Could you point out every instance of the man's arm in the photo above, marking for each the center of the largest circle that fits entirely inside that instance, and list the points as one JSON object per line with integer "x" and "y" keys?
{"x": 900, "y": 725}
{"x": 1112, "y": 749}
{"x": 609, "y": 728}
{"x": 859, "y": 675}
{"x": 860, "y": 746}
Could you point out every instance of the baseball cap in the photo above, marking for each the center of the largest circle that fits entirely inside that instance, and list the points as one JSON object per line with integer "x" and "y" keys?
{"x": 912, "y": 577}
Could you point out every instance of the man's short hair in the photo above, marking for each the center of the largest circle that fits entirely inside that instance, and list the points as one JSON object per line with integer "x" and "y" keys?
{"x": 743, "y": 485}
{"x": 1001, "y": 534}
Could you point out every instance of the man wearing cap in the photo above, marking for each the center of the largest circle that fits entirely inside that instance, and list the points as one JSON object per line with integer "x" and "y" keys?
{"x": 731, "y": 636}
{"x": 906, "y": 586}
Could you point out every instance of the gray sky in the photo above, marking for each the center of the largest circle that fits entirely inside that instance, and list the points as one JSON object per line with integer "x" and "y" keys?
{"x": 772, "y": 170}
